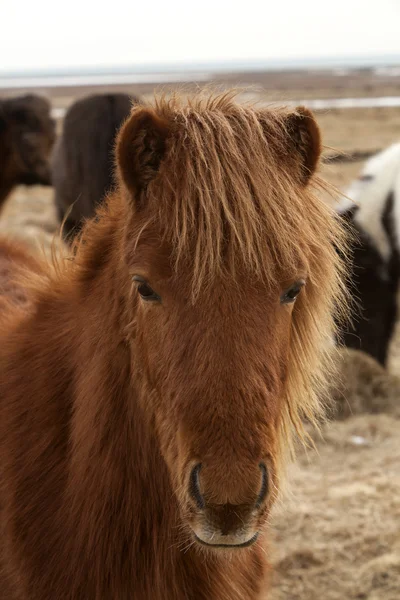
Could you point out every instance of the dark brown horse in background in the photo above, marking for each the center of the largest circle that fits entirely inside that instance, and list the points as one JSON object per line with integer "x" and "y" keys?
{"x": 83, "y": 159}
{"x": 27, "y": 134}
{"x": 149, "y": 397}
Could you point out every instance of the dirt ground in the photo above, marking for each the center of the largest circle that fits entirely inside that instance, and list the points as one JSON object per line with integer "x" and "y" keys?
{"x": 337, "y": 536}
{"x": 336, "y": 533}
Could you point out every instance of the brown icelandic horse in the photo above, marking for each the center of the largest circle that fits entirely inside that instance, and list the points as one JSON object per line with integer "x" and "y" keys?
{"x": 27, "y": 134}
{"x": 149, "y": 399}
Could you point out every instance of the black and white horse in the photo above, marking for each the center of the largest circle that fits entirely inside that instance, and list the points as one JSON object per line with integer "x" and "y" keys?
{"x": 373, "y": 208}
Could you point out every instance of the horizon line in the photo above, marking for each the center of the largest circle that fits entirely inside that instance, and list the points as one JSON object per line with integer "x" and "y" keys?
{"x": 215, "y": 66}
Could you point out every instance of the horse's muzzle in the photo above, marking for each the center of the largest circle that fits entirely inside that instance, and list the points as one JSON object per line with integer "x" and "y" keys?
{"x": 228, "y": 525}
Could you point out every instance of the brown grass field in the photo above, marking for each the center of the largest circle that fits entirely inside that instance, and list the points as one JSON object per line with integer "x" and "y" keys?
{"x": 336, "y": 531}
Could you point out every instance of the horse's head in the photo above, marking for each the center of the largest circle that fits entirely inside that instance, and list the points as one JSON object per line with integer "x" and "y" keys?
{"x": 234, "y": 276}
{"x": 29, "y": 133}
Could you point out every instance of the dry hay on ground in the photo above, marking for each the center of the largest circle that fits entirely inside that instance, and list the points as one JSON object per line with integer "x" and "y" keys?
{"x": 338, "y": 536}
{"x": 364, "y": 386}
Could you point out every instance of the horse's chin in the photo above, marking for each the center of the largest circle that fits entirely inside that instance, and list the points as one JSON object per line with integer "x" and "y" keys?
{"x": 226, "y": 542}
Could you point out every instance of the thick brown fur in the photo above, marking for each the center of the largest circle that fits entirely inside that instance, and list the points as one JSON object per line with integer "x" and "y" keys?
{"x": 82, "y": 163}
{"x": 27, "y": 134}
{"x": 14, "y": 258}
{"x": 108, "y": 400}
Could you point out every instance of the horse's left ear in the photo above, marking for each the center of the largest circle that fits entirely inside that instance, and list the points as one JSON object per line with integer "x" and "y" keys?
{"x": 305, "y": 139}
{"x": 140, "y": 149}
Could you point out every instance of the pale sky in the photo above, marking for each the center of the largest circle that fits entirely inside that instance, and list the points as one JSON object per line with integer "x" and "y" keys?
{"x": 40, "y": 34}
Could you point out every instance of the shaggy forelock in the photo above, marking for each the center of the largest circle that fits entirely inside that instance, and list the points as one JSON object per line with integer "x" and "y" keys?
{"x": 226, "y": 192}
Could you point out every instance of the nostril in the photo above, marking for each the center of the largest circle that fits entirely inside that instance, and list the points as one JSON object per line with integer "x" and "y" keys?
{"x": 194, "y": 486}
{"x": 264, "y": 485}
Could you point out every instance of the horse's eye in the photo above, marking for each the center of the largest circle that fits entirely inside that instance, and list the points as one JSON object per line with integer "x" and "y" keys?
{"x": 145, "y": 291}
{"x": 291, "y": 294}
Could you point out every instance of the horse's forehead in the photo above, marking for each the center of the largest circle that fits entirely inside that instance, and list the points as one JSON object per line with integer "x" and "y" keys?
{"x": 226, "y": 295}
{"x": 158, "y": 263}
{"x": 153, "y": 255}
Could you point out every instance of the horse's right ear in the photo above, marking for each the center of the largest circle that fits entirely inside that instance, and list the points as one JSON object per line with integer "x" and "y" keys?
{"x": 140, "y": 149}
